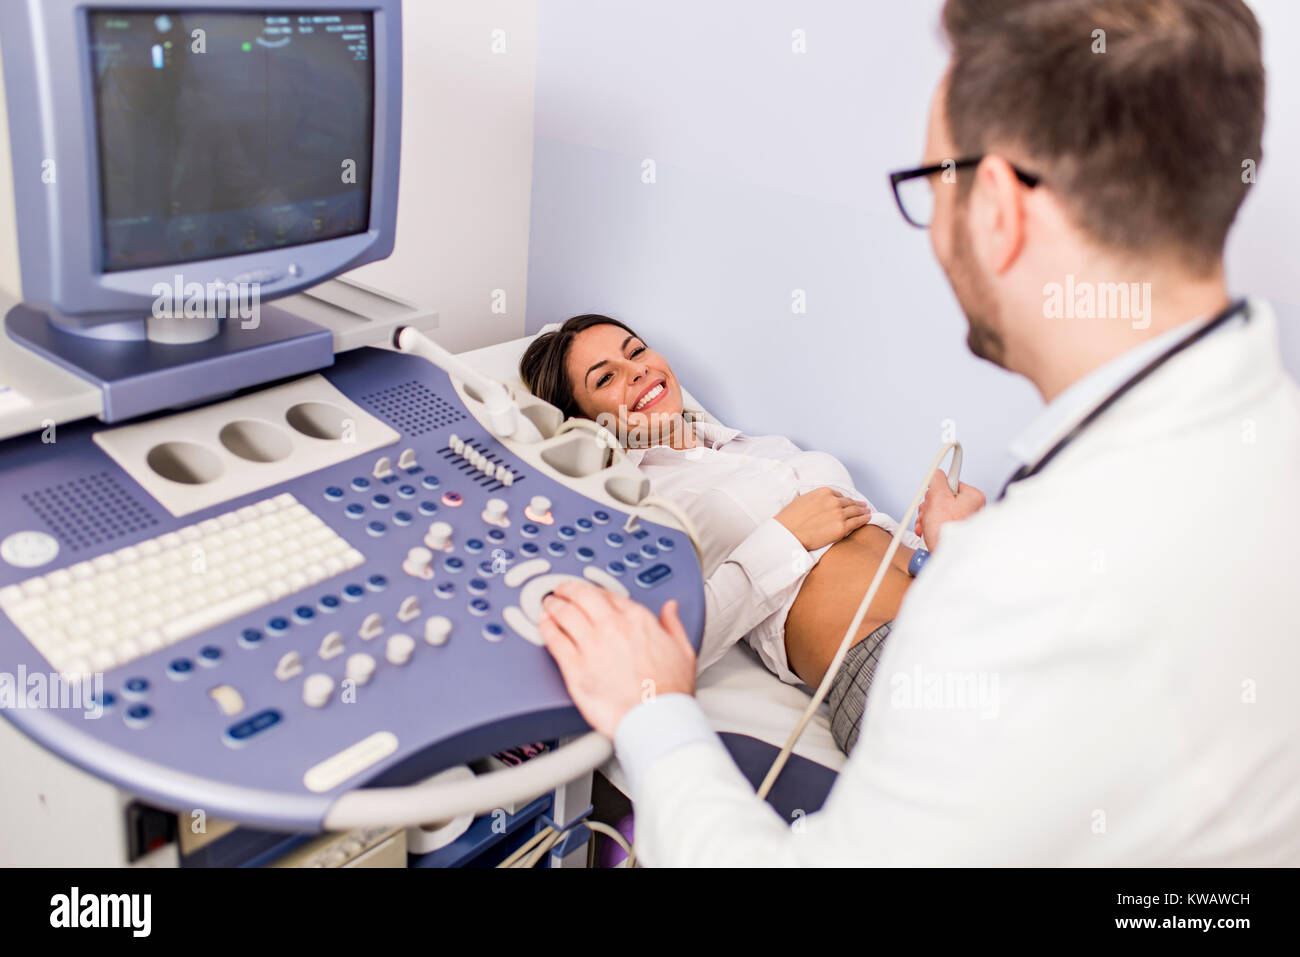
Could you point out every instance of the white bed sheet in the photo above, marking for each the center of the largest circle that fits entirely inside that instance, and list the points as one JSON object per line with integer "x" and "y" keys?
{"x": 737, "y": 693}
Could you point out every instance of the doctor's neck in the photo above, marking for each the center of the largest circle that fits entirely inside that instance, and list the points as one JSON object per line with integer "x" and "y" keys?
{"x": 1081, "y": 320}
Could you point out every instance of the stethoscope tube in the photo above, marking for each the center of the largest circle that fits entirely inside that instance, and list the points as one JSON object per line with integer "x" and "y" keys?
{"x": 1026, "y": 471}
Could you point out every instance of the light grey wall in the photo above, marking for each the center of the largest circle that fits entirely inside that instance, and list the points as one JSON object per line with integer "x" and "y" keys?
{"x": 770, "y": 177}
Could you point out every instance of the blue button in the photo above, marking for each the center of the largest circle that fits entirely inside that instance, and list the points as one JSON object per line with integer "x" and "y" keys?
{"x": 430, "y": 481}
{"x": 613, "y": 539}
{"x": 616, "y": 568}
{"x": 479, "y": 606}
{"x": 180, "y": 668}
{"x": 493, "y": 632}
{"x": 105, "y": 700}
{"x": 632, "y": 559}
{"x": 329, "y": 603}
{"x": 376, "y": 582}
{"x": 529, "y": 548}
{"x": 601, "y": 517}
{"x": 649, "y": 551}
{"x": 134, "y": 687}
{"x": 496, "y": 535}
{"x": 665, "y": 543}
{"x": 209, "y": 655}
{"x": 584, "y": 524}
{"x": 353, "y": 592}
{"x": 355, "y": 510}
{"x": 333, "y": 493}
{"x": 403, "y": 518}
{"x": 250, "y": 637}
{"x": 585, "y": 554}
{"x": 445, "y": 590}
{"x": 376, "y": 528}
{"x": 476, "y": 586}
{"x": 361, "y": 483}
{"x": 253, "y": 725}
{"x": 528, "y": 530}
{"x": 381, "y": 501}
{"x": 304, "y": 614}
{"x": 406, "y": 491}
{"x": 278, "y": 625}
{"x": 452, "y": 499}
{"x": 654, "y": 575}
{"x": 556, "y": 548}
{"x": 138, "y": 715}
{"x": 428, "y": 508}
{"x": 566, "y": 532}
{"x": 486, "y": 568}
{"x": 473, "y": 545}
{"x": 453, "y": 564}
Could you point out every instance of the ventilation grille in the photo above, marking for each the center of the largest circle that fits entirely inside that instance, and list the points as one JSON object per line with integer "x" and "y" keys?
{"x": 88, "y": 511}
{"x": 413, "y": 408}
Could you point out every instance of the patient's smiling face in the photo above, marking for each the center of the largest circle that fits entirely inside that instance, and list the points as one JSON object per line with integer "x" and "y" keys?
{"x": 616, "y": 376}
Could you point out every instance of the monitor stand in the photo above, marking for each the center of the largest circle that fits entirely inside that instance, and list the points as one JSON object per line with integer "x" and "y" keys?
{"x": 140, "y": 369}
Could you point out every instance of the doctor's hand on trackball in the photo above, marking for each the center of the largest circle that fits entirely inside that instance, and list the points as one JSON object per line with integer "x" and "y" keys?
{"x": 940, "y": 506}
{"x": 613, "y": 653}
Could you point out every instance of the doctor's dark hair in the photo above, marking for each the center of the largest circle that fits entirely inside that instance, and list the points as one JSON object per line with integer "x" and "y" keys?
{"x": 1144, "y": 116}
{"x": 543, "y": 367}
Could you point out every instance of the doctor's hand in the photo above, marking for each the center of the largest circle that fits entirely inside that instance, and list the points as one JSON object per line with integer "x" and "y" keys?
{"x": 940, "y": 506}
{"x": 613, "y": 653}
{"x": 823, "y": 516}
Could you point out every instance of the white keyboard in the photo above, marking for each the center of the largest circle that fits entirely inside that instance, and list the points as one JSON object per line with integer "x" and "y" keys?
{"x": 102, "y": 613}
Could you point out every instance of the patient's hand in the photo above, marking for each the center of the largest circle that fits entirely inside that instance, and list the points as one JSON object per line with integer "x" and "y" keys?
{"x": 823, "y": 516}
{"x": 940, "y": 506}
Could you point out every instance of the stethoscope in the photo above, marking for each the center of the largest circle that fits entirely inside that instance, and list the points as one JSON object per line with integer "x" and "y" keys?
{"x": 1026, "y": 471}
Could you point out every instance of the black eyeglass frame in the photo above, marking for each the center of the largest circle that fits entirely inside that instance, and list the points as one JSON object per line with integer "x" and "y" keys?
{"x": 902, "y": 176}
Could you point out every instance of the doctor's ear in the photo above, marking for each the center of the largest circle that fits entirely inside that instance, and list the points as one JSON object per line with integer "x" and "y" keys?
{"x": 998, "y": 212}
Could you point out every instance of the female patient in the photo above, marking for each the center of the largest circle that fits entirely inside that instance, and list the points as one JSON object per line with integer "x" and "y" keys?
{"x": 788, "y": 543}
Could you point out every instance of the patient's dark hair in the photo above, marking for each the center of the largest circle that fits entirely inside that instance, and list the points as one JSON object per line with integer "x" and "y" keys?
{"x": 1140, "y": 114}
{"x": 544, "y": 365}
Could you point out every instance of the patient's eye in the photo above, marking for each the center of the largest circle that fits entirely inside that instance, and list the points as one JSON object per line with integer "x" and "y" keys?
{"x": 603, "y": 379}
{"x": 636, "y": 352}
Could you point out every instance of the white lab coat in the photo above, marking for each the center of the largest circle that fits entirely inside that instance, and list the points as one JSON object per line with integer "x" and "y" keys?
{"x": 1103, "y": 668}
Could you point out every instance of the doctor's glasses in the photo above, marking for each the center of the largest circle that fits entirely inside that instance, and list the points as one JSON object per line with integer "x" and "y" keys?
{"x": 914, "y": 192}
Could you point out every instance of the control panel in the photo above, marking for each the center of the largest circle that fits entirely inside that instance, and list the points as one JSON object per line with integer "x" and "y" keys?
{"x": 255, "y": 606}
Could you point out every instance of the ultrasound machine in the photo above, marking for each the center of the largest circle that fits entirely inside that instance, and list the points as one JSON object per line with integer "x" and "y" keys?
{"x": 271, "y": 560}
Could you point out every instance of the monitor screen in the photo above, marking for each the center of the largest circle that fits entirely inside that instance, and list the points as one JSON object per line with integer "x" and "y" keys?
{"x": 224, "y": 133}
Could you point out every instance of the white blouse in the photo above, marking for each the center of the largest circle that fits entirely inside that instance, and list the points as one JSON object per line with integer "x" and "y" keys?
{"x": 732, "y": 487}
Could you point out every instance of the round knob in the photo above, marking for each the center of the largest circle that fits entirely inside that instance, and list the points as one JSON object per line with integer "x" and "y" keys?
{"x": 437, "y": 629}
{"x": 360, "y": 667}
{"x": 316, "y": 690}
{"x": 439, "y": 536}
{"x": 495, "y": 511}
{"x": 539, "y": 508}
{"x": 417, "y": 562}
{"x": 399, "y": 649}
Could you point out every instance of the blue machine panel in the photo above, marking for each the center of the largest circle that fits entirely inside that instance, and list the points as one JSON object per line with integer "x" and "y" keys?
{"x": 162, "y": 736}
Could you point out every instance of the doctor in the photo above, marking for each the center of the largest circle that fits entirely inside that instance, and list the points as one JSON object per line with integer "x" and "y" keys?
{"x": 1103, "y": 666}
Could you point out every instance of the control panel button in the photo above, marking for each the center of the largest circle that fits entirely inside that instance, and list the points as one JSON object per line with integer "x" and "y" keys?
{"x": 567, "y": 532}
{"x": 604, "y": 580}
{"x": 539, "y": 510}
{"x": 372, "y": 626}
{"x": 253, "y": 725}
{"x": 437, "y": 629}
{"x": 29, "y": 549}
{"x": 430, "y": 481}
{"x": 409, "y": 609}
{"x": 360, "y": 667}
{"x": 180, "y": 668}
{"x": 600, "y": 517}
{"x": 517, "y": 620}
{"x": 333, "y": 493}
{"x": 654, "y": 575}
{"x": 438, "y": 537}
{"x": 399, "y": 649}
{"x": 665, "y": 543}
{"x": 494, "y": 513}
{"x": 407, "y": 459}
{"x": 493, "y": 632}
{"x": 525, "y": 570}
{"x": 228, "y": 699}
{"x": 331, "y": 646}
{"x": 316, "y": 690}
{"x": 383, "y": 467}
{"x": 209, "y": 655}
{"x": 289, "y": 665}
{"x": 138, "y": 715}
